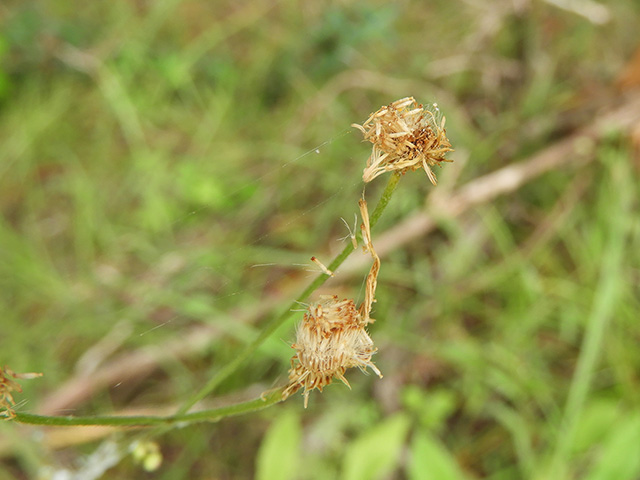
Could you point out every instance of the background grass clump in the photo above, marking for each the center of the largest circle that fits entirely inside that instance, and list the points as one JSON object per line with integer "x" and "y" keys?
{"x": 156, "y": 154}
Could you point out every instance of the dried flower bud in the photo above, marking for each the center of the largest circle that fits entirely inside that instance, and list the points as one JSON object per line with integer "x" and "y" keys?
{"x": 405, "y": 136}
{"x": 331, "y": 339}
{"x": 146, "y": 453}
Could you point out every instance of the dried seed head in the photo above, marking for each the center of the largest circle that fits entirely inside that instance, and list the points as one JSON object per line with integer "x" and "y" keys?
{"x": 405, "y": 136}
{"x": 330, "y": 339}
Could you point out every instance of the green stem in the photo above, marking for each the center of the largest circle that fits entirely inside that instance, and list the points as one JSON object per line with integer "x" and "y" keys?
{"x": 230, "y": 368}
{"x": 214, "y": 415}
{"x": 211, "y": 415}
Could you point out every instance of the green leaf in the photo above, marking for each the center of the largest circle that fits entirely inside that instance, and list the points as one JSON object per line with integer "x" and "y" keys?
{"x": 430, "y": 460}
{"x": 375, "y": 452}
{"x": 620, "y": 453}
{"x": 595, "y": 422}
{"x": 441, "y": 403}
{"x": 279, "y": 452}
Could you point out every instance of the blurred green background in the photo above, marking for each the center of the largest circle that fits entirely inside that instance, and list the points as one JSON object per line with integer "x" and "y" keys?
{"x": 157, "y": 155}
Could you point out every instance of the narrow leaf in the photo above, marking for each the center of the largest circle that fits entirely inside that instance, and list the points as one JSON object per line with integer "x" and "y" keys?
{"x": 375, "y": 453}
{"x": 280, "y": 449}
{"x": 620, "y": 454}
{"x": 430, "y": 460}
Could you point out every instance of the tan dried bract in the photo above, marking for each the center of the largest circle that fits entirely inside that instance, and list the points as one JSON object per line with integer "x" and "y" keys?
{"x": 405, "y": 136}
{"x": 331, "y": 338}
{"x": 8, "y": 385}
{"x": 372, "y": 278}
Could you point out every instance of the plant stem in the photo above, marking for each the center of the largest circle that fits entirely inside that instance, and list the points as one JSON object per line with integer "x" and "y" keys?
{"x": 211, "y": 415}
{"x": 230, "y": 368}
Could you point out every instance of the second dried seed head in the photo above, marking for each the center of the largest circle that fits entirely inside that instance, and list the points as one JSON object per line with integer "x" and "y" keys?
{"x": 405, "y": 136}
{"x": 331, "y": 338}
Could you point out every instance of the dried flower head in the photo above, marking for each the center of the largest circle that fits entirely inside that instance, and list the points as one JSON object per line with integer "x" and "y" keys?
{"x": 8, "y": 385}
{"x": 405, "y": 136}
{"x": 333, "y": 335}
{"x": 331, "y": 338}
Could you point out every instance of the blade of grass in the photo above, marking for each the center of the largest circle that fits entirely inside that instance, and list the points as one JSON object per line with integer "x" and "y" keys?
{"x": 604, "y": 303}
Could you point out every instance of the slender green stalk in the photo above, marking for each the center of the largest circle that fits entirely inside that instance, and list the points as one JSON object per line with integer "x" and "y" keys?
{"x": 604, "y": 303}
{"x": 274, "y": 324}
{"x": 211, "y": 415}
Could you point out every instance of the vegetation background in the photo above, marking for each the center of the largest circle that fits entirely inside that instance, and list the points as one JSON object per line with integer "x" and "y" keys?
{"x": 155, "y": 153}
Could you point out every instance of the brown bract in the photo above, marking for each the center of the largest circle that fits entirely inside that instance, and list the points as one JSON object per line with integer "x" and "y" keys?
{"x": 8, "y": 385}
{"x": 405, "y": 136}
{"x": 331, "y": 338}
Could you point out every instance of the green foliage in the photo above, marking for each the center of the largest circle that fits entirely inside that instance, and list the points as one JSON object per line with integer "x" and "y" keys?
{"x": 431, "y": 408}
{"x": 279, "y": 453}
{"x": 375, "y": 452}
{"x": 158, "y": 173}
{"x": 618, "y": 453}
{"x": 430, "y": 460}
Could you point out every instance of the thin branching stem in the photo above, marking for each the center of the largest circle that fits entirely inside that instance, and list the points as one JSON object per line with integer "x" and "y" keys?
{"x": 210, "y": 415}
{"x": 216, "y": 414}
{"x": 274, "y": 324}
